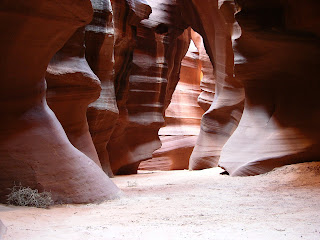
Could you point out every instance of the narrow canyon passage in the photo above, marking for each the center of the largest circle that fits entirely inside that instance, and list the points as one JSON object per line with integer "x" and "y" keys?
{"x": 159, "y": 119}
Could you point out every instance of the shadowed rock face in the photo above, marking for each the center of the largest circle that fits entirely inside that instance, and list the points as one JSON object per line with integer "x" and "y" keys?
{"x": 34, "y": 148}
{"x": 142, "y": 93}
{"x": 72, "y": 86}
{"x": 126, "y": 16}
{"x": 277, "y": 64}
{"x": 182, "y": 117}
{"x": 217, "y": 26}
{"x": 275, "y": 60}
{"x": 278, "y": 125}
{"x": 103, "y": 113}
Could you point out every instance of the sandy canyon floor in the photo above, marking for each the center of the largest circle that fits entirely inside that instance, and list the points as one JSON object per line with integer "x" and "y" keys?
{"x": 282, "y": 204}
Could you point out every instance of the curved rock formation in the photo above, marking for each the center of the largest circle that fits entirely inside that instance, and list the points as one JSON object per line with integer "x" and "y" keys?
{"x": 34, "y": 148}
{"x": 142, "y": 98}
{"x": 182, "y": 117}
{"x": 215, "y": 22}
{"x": 183, "y": 114}
{"x": 278, "y": 63}
{"x": 126, "y": 15}
{"x": 208, "y": 80}
{"x": 103, "y": 113}
{"x": 72, "y": 86}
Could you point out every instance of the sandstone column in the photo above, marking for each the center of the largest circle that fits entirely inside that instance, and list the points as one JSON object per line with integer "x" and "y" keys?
{"x": 34, "y": 148}
{"x": 103, "y": 113}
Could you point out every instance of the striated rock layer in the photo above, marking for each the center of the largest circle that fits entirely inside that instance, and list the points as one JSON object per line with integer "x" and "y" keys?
{"x": 34, "y": 149}
{"x": 142, "y": 93}
{"x": 126, "y": 15}
{"x": 207, "y": 83}
{"x": 182, "y": 118}
{"x": 183, "y": 114}
{"x": 103, "y": 113}
{"x": 272, "y": 59}
{"x": 278, "y": 61}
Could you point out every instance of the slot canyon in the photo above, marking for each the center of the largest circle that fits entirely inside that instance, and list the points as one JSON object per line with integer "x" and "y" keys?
{"x": 160, "y": 119}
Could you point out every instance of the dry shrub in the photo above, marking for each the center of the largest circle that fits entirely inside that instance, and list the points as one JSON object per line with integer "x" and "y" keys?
{"x": 25, "y": 196}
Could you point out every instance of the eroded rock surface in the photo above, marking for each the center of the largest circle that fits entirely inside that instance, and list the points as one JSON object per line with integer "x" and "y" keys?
{"x": 34, "y": 149}
{"x": 215, "y": 22}
{"x": 103, "y": 113}
{"x": 267, "y": 55}
{"x": 278, "y": 63}
{"x": 127, "y": 15}
{"x": 72, "y": 86}
{"x": 208, "y": 82}
{"x": 155, "y": 59}
{"x": 182, "y": 117}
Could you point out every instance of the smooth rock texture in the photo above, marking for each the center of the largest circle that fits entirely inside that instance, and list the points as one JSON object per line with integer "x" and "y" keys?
{"x": 141, "y": 95}
{"x": 214, "y": 20}
{"x": 103, "y": 113}
{"x": 278, "y": 61}
{"x": 183, "y": 115}
{"x": 71, "y": 83}
{"x": 34, "y": 149}
{"x": 208, "y": 80}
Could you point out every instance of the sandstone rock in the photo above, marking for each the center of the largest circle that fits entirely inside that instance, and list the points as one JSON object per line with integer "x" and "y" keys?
{"x": 34, "y": 148}
{"x": 126, "y": 15}
{"x": 207, "y": 83}
{"x": 173, "y": 155}
{"x": 215, "y": 22}
{"x": 103, "y": 113}
{"x": 277, "y": 63}
{"x": 182, "y": 117}
{"x": 72, "y": 86}
{"x": 141, "y": 99}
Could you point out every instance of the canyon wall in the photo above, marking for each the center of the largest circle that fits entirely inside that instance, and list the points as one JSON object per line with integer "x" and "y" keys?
{"x": 142, "y": 87}
{"x": 274, "y": 52}
{"x": 71, "y": 87}
{"x": 216, "y": 24}
{"x": 208, "y": 82}
{"x": 103, "y": 113}
{"x": 182, "y": 117}
{"x": 278, "y": 58}
{"x": 34, "y": 149}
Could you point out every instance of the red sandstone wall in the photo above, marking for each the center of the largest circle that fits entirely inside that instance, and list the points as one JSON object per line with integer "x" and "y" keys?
{"x": 34, "y": 148}
{"x": 182, "y": 117}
